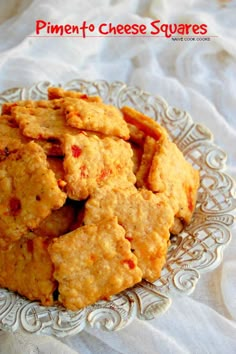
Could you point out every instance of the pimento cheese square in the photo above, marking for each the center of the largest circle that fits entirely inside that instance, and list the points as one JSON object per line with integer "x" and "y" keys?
{"x": 92, "y": 263}
{"x": 29, "y": 191}
{"x": 146, "y": 218}
{"x": 92, "y": 161}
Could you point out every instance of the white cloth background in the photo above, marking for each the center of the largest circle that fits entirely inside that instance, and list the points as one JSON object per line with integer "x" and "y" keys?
{"x": 199, "y": 77}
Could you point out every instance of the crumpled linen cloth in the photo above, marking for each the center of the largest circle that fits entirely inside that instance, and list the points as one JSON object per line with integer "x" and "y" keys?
{"x": 198, "y": 77}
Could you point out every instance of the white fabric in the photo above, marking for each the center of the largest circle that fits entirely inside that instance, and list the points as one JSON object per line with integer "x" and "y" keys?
{"x": 199, "y": 77}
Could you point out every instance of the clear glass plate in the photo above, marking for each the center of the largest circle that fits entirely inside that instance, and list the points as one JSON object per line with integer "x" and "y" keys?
{"x": 197, "y": 249}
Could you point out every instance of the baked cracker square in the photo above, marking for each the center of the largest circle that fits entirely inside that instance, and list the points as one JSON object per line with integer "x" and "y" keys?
{"x": 146, "y": 218}
{"x": 41, "y": 123}
{"x": 97, "y": 117}
{"x": 106, "y": 266}
{"x": 29, "y": 192}
{"x": 26, "y": 267}
{"x": 91, "y": 161}
{"x": 58, "y": 92}
{"x": 173, "y": 175}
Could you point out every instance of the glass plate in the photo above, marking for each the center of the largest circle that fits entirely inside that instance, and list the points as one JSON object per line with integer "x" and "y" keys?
{"x": 197, "y": 249}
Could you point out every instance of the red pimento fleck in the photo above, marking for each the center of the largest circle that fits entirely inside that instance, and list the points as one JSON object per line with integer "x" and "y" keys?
{"x": 104, "y": 173}
{"x": 76, "y": 151}
{"x": 130, "y": 263}
{"x": 15, "y": 206}
{"x": 129, "y": 238}
{"x": 84, "y": 97}
{"x": 30, "y": 246}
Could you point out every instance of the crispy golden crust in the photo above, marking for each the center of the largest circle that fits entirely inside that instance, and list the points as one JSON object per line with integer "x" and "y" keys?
{"x": 11, "y": 138}
{"x": 90, "y": 162}
{"x": 171, "y": 174}
{"x": 57, "y": 223}
{"x": 58, "y": 92}
{"x": 41, "y": 123}
{"x": 27, "y": 268}
{"x": 97, "y": 117}
{"x": 8, "y": 107}
{"x": 144, "y": 123}
{"x": 105, "y": 267}
{"x": 145, "y": 217}
{"x": 29, "y": 192}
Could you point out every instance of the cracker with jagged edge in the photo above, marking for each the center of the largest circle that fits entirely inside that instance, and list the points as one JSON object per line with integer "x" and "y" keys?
{"x": 144, "y": 123}
{"x": 41, "y": 123}
{"x": 29, "y": 191}
{"x": 97, "y": 117}
{"x": 26, "y": 267}
{"x": 92, "y": 263}
{"x": 58, "y": 92}
{"x": 149, "y": 149}
{"x": 11, "y": 138}
{"x": 8, "y": 107}
{"x": 92, "y": 161}
{"x": 146, "y": 218}
{"x": 57, "y": 223}
{"x": 171, "y": 174}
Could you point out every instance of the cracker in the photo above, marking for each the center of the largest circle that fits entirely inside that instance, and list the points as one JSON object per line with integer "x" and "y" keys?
{"x": 57, "y": 223}
{"x": 96, "y": 117}
{"x": 11, "y": 138}
{"x": 144, "y": 123}
{"x": 90, "y": 162}
{"x": 106, "y": 266}
{"x": 171, "y": 174}
{"x": 146, "y": 161}
{"x": 146, "y": 218}
{"x": 41, "y": 123}
{"x": 26, "y": 267}
{"x": 58, "y": 92}
{"x": 8, "y": 107}
{"x": 29, "y": 192}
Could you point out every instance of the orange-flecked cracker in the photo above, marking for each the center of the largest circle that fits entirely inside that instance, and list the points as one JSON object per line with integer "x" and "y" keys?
{"x": 144, "y": 123}
{"x": 41, "y": 123}
{"x": 97, "y": 117}
{"x": 171, "y": 174}
{"x": 92, "y": 263}
{"x": 91, "y": 161}
{"x": 146, "y": 218}
{"x": 58, "y": 92}
{"x": 29, "y": 192}
{"x": 57, "y": 223}
{"x": 8, "y": 107}
{"x": 11, "y": 138}
{"x": 26, "y": 267}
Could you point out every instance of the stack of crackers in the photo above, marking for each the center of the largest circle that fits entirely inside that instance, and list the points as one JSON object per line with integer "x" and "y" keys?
{"x": 89, "y": 197}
